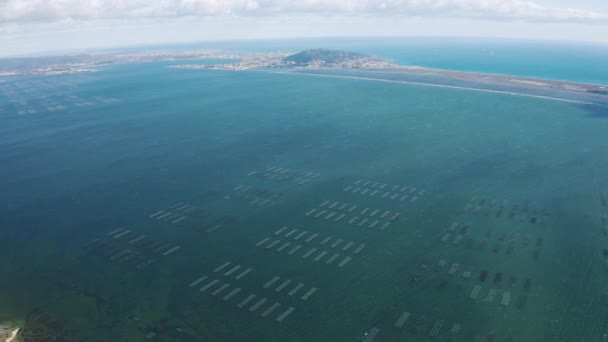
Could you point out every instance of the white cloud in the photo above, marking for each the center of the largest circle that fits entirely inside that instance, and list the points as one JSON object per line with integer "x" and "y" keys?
{"x": 524, "y": 10}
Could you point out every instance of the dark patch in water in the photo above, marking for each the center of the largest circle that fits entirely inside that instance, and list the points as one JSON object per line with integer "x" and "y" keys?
{"x": 596, "y": 111}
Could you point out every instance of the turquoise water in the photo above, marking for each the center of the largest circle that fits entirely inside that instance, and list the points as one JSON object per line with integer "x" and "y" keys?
{"x": 523, "y": 178}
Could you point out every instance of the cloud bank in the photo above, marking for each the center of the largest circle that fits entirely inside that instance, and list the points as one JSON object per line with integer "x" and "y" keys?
{"x": 14, "y": 11}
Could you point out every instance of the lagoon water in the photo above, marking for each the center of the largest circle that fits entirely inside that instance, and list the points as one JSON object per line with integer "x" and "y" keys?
{"x": 502, "y": 239}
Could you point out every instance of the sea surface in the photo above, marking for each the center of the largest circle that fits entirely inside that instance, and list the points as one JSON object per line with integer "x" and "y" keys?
{"x": 135, "y": 199}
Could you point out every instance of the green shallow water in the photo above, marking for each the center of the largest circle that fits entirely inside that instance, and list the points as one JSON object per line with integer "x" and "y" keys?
{"x": 530, "y": 173}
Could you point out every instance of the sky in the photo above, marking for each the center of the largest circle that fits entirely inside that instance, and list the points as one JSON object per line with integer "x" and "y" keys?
{"x": 37, "y": 27}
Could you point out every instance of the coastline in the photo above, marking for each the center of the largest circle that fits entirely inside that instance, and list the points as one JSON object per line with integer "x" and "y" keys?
{"x": 8, "y": 333}
{"x": 438, "y": 86}
{"x": 564, "y": 91}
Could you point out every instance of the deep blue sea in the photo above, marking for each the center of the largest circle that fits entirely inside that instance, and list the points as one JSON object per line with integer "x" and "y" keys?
{"x": 146, "y": 203}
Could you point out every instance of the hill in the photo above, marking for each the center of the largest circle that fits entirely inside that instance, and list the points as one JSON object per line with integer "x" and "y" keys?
{"x": 324, "y": 56}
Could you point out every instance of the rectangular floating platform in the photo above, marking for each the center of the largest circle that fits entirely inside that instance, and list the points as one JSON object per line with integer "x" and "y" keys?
{"x": 274, "y": 243}
{"x": 364, "y": 191}
{"x": 258, "y": 304}
{"x": 137, "y": 239}
{"x": 373, "y": 192}
{"x": 291, "y": 233}
{"x": 506, "y": 299}
{"x": 172, "y": 250}
{"x": 271, "y": 281}
{"x": 263, "y": 241}
{"x": 371, "y": 335}
{"x": 295, "y": 289}
{"x": 475, "y": 292}
{"x": 312, "y": 250}
{"x": 220, "y": 289}
{"x": 352, "y": 208}
{"x": 343, "y": 206}
{"x": 285, "y": 245}
{"x": 445, "y": 237}
{"x": 280, "y": 230}
{"x": 363, "y": 222}
{"x": 232, "y": 293}
{"x": 364, "y": 211}
{"x": 119, "y": 235}
{"x": 285, "y": 314}
{"x": 453, "y": 269}
{"x": 211, "y": 283}
{"x": 339, "y": 217}
{"x": 344, "y": 262}
{"x": 246, "y": 301}
{"x": 310, "y": 212}
{"x": 283, "y": 285}
{"x": 162, "y": 216}
{"x": 374, "y": 212}
{"x": 385, "y": 225}
{"x": 330, "y": 215}
{"x": 436, "y": 328}
{"x": 300, "y": 235}
{"x": 359, "y": 249}
{"x": 352, "y": 220}
{"x": 490, "y": 297}
{"x": 385, "y": 214}
{"x": 402, "y": 319}
{"x": 244, "y": 273}
{"x": 336, "y": 243}
{"x": 156, "y": 214}
{"x": 178, "y": 220}
{"x": 374, "y": 224}
{"x": 312, "y": 237}
{"x": 198, "y": 281}
{"x": 326, "y": 240}
{"x": 121, "y": 254}
{"x": 395, "y": 216}
{"x": 222, "y": 266}
{"x": 295, "y": 249}
{"x": 332, "y": 258}
{"x": 232, "y": 270}
{"x": 114, "y": 231}
{"x": 309, "y": 293}
{"x": 348, "y": 188}
{"x": 333, "y": 205}
{"x": 270, "y": 309}
{"x": 321, "y": 255}
{"x": 320, "y": 213}
{"x": 347, "y": 246}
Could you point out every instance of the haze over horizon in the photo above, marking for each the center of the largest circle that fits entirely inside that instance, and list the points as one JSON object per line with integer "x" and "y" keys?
{"x": 38, "y": 27}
